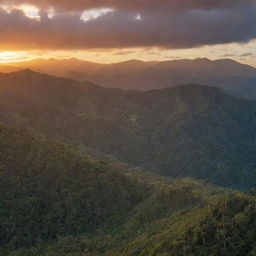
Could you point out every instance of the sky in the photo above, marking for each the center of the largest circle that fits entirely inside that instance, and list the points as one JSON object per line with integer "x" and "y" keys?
{"x": 117, "y": 30}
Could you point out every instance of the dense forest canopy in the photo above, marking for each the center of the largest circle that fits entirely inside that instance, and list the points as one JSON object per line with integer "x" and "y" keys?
{"x": 186, "y": 131}
{"x": 57, "y": 201}
{"x": 79, "y": 173}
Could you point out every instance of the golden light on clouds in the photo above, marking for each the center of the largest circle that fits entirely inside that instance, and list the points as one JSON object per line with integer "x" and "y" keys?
{"x": 30, "y": 11}
{"x": 240, "y": 52}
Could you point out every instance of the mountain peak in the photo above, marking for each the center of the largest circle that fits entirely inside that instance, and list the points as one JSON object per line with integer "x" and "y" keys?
{"x": 28, "y": 72}
{"x": 202, "y": 60}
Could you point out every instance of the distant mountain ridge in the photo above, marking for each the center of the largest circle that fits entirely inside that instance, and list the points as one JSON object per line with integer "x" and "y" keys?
{"x": 235, "y": 78}
{"x": 188, "y": 130}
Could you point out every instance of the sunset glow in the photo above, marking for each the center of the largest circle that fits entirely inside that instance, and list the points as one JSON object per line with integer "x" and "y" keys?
{"x": 30, "y": 11}
{"x": 117, "y": 31}
{"x": 240, "y": 53}
{"x": 127, "y": 127}
{"x": 13, "y": 57}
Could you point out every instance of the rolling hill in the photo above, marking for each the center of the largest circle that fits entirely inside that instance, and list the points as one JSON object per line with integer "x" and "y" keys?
{"x": 189, "y": 130}
{"x": 235, "y": 78}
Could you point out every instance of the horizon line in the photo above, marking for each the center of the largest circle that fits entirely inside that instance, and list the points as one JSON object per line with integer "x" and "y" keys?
{"x": 11, "y": 63}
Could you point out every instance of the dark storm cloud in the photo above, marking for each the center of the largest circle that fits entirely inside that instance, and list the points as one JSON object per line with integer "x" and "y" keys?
{"x": 201, "y": 22}
{"x": 134, "y": 4}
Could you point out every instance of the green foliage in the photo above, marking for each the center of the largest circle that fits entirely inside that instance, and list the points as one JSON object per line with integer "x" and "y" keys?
{"x": 189, "y": 130}
{"x": 57, "y": 201}
{"x": 49, "y": 190}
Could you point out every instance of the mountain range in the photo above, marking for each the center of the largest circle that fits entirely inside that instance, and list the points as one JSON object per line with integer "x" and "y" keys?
{"x": 93, "y": 171}
{"x": 235, "y": 78}
{"x": 188, "y": 130}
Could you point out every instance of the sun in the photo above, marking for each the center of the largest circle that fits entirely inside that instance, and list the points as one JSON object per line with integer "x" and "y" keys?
{"x": 7, "y": 56}
{"x": 12, "y": 56}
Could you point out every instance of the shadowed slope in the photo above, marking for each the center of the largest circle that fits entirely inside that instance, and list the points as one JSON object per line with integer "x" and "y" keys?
{"x": 188, "y": 130}
{"x": 235, "y": 78}
{"x": 56, "y": 201}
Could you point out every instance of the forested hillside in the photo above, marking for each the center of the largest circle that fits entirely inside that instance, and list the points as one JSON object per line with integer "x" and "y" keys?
{"x": 148, "y": 148}
{"x": 56, "y": 201}
{"x": 188, "y": 130}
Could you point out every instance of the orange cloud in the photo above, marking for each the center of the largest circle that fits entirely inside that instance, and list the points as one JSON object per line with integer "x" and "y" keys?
{"x": 133, "y": 4}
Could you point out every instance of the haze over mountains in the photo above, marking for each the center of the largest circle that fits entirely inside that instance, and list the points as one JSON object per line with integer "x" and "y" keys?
{"x": 189, "y": 130}
{"x": 235, "y": 78}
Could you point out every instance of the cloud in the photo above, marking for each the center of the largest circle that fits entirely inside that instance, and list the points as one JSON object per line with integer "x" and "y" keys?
{"x": 124, "y": 53}
{"x": 248, "y": 54}
{"x": 229, "y": 55}
{"x": 133, "y": 4}
{"x": 173, "y": 57}
{"x": 189, "y": 23}
{"x": 154, "y": 53}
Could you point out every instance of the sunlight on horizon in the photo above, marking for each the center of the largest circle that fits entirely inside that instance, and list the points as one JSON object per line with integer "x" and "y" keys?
{"x": 237, "y": 52}
{"x": 14, "y": 57}
{"x": 241, "y": 52}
